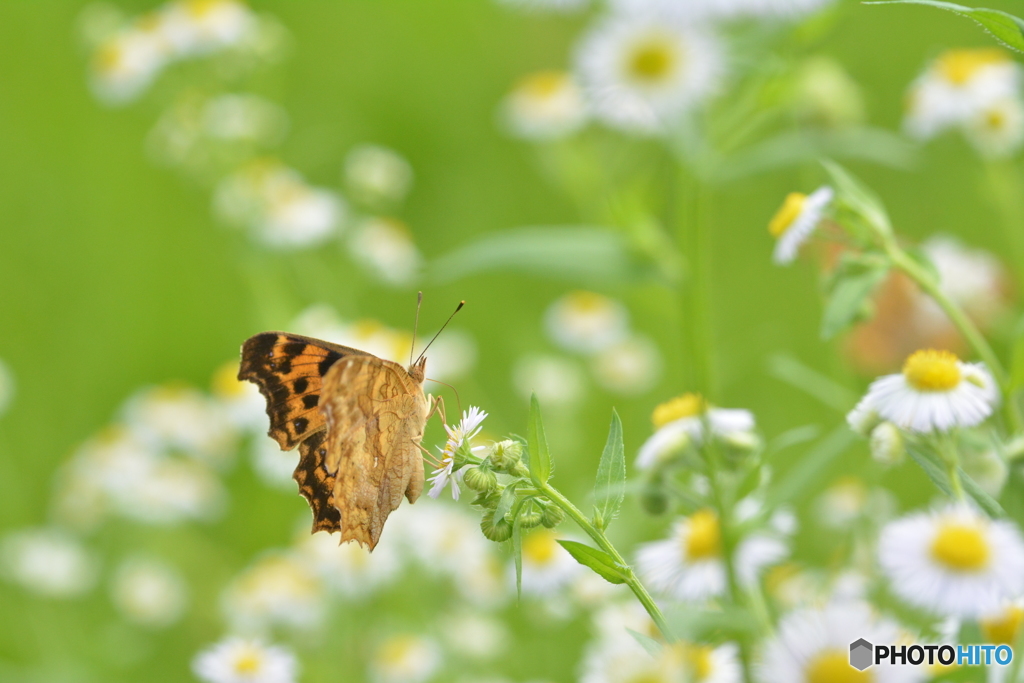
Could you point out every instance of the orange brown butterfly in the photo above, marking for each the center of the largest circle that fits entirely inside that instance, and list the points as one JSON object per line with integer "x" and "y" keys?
{"x": 357, "y": 419}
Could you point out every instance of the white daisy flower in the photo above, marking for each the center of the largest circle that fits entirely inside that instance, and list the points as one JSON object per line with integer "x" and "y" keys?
{"x": 240, "y": 660}
{"x": 405, "y": 659}
{"x": 47, "y": 562}
{"x": 680, "y": 421}
{"x": 703, "y": 10}
{"x": 452, "y": 355}
{"x": 935, "y": 392}
{"x": 973, "y": 278}
{"x": 547, "y": 566}
{"x": 199, "y": 27}
{"x": 813, "y": 646}
{"x": 956, "y": 86}
{"x": 278, "y": 589}
{"x": 475, "y": 636}
{"x": 385, "y": 247}
{"x": 586, "y": 322}
{"x": 468, "y": 427}
{"x": 887, "y": 444}
{"x": 243, "y": 116}
{"x": 125, "y": 64}
{"x": 794, "y": 222}
{"x": 997, "y": 130}
{"x": 629, "y": 367}
{"x": 348, "y": 568}
{"x": 544, "y": 106}
{"x": 376, "y": 175}
{"x": 180, "y": 418}
{"x": 641, "y": 72}
{"x": 557, "y": 381}
{"x": 559, "y": 6}
{"x": 149, "y": 592}
{"x": 863, "y": 418}
{"x": 955, "y": 561}
{"x": 273, "y": 466}
{"x": 242, "y": 402}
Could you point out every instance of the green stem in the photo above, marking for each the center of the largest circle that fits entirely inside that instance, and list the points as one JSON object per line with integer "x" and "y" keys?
{"x": 962, "y": 322}
{"x": 693, "y": 241}
{"x": 602, "y": 541}
{"x": 947, "y": 449}
{"x": 1005, "y": 190}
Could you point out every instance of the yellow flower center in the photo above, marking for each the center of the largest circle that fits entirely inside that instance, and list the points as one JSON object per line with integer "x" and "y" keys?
{"x": 687, "y": 405}
{"x": 200, "y": 8}
{"x": 226, "y": 383}
{"x": 961, "y": 547}
{"x": 652, "y": 61}
{"x": 833, "y": 666}
{"x": 539, "y": 548}
{"x": 704, "y": 539}
{"x": 249, "y": 662}
{"x": 995, "y": 119}
{"x": 699, "y": 659}
{"x": 586, "y": 302}
{"x": 931, "y": 370}
{"x": 1003, "y": 629}
{"x": 959, "y": 66}
{"x": 783, "y": 219}
{"x": 543, "y": 84}
{"x": 397, "y": 649}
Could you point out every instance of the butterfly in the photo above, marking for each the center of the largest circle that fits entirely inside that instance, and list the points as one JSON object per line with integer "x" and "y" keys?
{"x": 357, "y": 419}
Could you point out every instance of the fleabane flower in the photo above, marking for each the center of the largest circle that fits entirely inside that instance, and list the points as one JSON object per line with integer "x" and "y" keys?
{"x": 586, "y": 322}
{"x": 641, "y": 72}
{"x": 239, "y": 660}
{"x": 795, "y": 220}
{"x": 405, "y": 658}
{"x": 547, "y": 567}
{"x": 956, "y": 86}
{"x": 544, "y": 105}
{"x": 680, "y": 421}
{"x": 719, "y": 10}
{"x": 954, "y": 562}
{"x": 458, "y": 437}
{"x": 997, "y": 129}
{"x": 935, "y": 392}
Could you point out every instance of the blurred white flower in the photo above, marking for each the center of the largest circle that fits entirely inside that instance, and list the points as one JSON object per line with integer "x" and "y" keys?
{"x": 198, "y": 27}
{"x": 240, "y": 660}
{"x": 954, "y": 562}
{"x": 452, "y": 355}
{"x": 679, "y": 422}
{"x": 273, "y": 466}
{"x": 444, "y": 539}
{"x": 631, "y": 367}
{"x": 973, "y": 278}
{"x": 586, "y": 322}
{"x": 126, "y": 63}
{"x": 842, "y": 503}
{"x": 997, "y": 130}
{"x": 240, "y": 401}
{"x": 641, "y": 72}
{"x": 348, "y": 569}
{"x": 177, "y": 417}
{"x": 278, "y": 589}
{"x": 958, "y": 85}
{"x": 795, "y": 221}
{"x": 935, "y": 392}
{"x": 6, "y": 387}
{"x": 544, "y": 106}
{"x": 813, "y": 644}
{"x": 377, "y": 176}
{"x": 557, "y": 381}
{"x": 48, "y": 562}
{"x": 704, "y": 10}
{"x": 547, "y": 567}
{"x": 405, "y": 659}
{"x": 474, "y": 636}
{"x": 149, "y": 592}
{"x": 560, "y": 6}
{"x": 825, "y": 95}
{"x": 385, "y": 248}
{"x": 243, "y": 116}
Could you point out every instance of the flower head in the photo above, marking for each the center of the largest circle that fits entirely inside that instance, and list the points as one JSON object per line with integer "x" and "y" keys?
{"x": 458, "y": 437}
{"x": 544, "y": 105}
{"x": 586, "y": 322}
{"x": 240, "y": 660}
{"x": 376, "y": 175}
{"x": 149, "y": 592}
{"x": 795, "y": 220}
{"x": 680, "y": 421}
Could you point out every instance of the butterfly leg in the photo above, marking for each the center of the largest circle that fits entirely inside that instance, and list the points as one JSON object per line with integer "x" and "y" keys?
{"x": 436, "y": 405}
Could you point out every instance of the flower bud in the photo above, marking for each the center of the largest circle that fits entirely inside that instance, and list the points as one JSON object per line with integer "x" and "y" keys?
{"x": 863, "y": 419}
{"x": 552, "y": 516}
{"x": 530, "y": 517}
{"x": 496, "y": 531}
{"x": 480, "y": 479}
{"x": 653, "y": 498}
{"x": 488, "y": 499}
{"x": 887, "y": 444}
{"x": 742, "y": 442}
{"x": 506, "y": 455}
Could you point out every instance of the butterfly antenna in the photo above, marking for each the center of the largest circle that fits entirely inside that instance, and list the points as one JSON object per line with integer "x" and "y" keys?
{"x": 457, "y": 309}
{"x": 415, "y": 325}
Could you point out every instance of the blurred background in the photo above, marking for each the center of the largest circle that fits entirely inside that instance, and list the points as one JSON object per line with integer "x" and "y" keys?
{"x": 309, "y": 166}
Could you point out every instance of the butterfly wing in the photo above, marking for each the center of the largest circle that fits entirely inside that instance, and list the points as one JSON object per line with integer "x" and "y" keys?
{"x": 376, "y": 413}
{"x": 289, "y": 370}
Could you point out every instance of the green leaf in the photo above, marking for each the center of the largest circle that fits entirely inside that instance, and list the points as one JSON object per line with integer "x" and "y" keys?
{"x": 805, "y": 378}
{"x": 601, "y": 562}
{"x": 987, "y": 502}
{"x": 932, "y": 468}
{"x": 1005, "y": 28}
{"x": 540, "y": 458}
{"x": 611, "y": 475}
{"x": 649, "y": 644}
{"x": 517, "y": 545}
{"x": 578, "y": 254}
{"x": 505, "y": 503}
{"x": 859, "y": 197}
{"x": 846, "y": 301}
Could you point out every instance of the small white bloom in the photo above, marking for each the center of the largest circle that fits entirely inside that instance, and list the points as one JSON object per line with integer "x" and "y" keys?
{"x": 48, "y": 562}
{"x": 278, "y": 589}
{"x": 630, "y": 367}
{"x": 586, "y": 322}
{"x": 545, "y": 105}
{"x": 704, "y": 10}
{"x": 887, "y": 444}
{"x": 240, "y": 660}
{"x": 149, "y": 592}
{"x": 468, "y": 427}
{"x": 559, "y": 6}
{"x": 547, "y": 567}
{"x": 178, "y": 417}
{"x": 385, "y": 247}
{"x": 997, "y": 130}
{"x": 813, "y": 645}
{"x": 474, "y": 635}
{"x": 199, "y": 27}
{"x": 641, "y": 72}
{"x": 863, "y": 418}
{"x": 376, "y": 175}
{"x": 443, "y": 476}
{"x": 405, "y": 659}
{"x": 556, "y": 380}
{"x": 125, "y": 64}
{"x": 973, "y": 278}
{"x": 348, "y": 569}
{"x": 680, "y": 422}
{"x": 241, "y": 401}
{"x": 243, "y": 117}
{"x": 935, "y": 392}
{"x": 954, "y": 561}
{"x": 796, "y": 220}
{"x": 452, "y": 355}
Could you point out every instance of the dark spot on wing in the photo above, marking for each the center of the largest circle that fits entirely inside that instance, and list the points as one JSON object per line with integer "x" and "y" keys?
{"x": 300, "y": 424}
{"x": 311, "y": 401}
{"x": 300, "y": 385}
{"x": 326, "y": 363}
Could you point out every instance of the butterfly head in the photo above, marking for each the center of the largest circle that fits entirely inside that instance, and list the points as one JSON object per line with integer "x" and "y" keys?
{"x": 418, "y": 370}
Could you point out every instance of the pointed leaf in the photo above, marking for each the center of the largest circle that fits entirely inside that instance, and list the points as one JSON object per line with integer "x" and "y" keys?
{"x": 601, "y": 562}
{"x": 649, "y": 644}
{"x": 540, "y": 458}
{"x": 611, "y": 475}
{"x": 1005, "y": 28}
{"x": 505, "y": 503}
{"x": 846, "y": 301}
{"x": 859, "y": 197}
{"x": 932, "y": 468}
{"x": 985, "y": 501}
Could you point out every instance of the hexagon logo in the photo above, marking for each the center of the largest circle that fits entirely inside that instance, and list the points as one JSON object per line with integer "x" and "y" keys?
{"x": 861, "y": 654}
